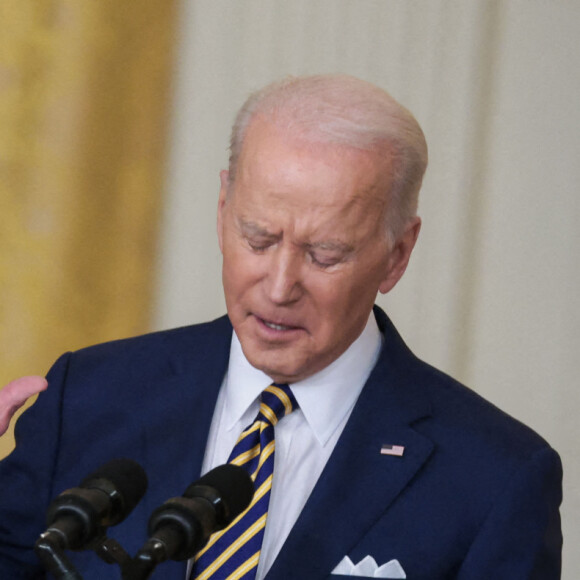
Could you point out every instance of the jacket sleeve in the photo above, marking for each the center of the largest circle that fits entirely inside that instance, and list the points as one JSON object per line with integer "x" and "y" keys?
{"x": 521, "y": 537}
{"x": 26, "y": 479}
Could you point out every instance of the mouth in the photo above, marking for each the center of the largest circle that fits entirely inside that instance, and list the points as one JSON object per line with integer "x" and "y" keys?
{"x": 277, "y": 326}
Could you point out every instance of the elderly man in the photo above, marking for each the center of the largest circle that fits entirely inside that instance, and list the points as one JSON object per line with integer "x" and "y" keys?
{"x": 384, "y": 467}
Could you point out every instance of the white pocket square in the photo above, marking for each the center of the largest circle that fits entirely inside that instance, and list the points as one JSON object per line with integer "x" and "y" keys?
{"x": 369, "y": 568}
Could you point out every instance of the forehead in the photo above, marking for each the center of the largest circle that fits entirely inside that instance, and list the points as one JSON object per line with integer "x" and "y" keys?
{"x": 290, "y": 169}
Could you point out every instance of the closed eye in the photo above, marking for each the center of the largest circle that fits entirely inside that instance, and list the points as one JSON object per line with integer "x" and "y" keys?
{"x": 260, "y": 245}
{"x": 324, "y": 261}
{"x": 257, "y": 237}
{"x": 327, "y": 254}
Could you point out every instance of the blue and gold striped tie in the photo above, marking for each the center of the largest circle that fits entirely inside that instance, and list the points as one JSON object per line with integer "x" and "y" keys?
{"x": 233, "y": 553}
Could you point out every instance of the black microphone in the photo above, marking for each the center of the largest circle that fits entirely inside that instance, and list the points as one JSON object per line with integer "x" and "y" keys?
{"x": 182, "y": 525}
{"x": 80, "y": 515}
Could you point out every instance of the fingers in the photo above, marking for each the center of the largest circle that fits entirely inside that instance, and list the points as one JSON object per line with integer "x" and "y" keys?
{"x": 14, "y": 395}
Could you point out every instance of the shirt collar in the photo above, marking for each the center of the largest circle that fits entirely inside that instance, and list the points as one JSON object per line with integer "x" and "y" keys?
{"x": 325, "y": 398}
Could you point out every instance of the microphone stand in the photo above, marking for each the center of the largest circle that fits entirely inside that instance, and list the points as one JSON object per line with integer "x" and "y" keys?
{"x": 148, "y": 558}
{"x": 50, "y": 552}
{"x": 51, "y": 555}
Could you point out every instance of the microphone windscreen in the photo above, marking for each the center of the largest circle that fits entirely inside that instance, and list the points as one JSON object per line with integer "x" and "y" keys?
{"x": 128, "y": 479}
{"x": 234, "y": 485}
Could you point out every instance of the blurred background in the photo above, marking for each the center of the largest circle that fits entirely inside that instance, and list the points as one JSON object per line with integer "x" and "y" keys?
{"x": 114, "y": 122}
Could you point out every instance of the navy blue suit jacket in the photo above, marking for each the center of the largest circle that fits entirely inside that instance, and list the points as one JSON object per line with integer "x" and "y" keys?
{"x": 474, "y": 496}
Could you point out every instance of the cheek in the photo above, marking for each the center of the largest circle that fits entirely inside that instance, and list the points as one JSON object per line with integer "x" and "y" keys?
{"x": 231, "y": 273}
{"x": 240, "y": 271}
{"x": 331, "y": 299}
{"x": 340, "y": 300}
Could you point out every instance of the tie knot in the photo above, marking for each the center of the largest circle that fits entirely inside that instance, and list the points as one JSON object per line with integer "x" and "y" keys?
{"x": 277, "y": 401}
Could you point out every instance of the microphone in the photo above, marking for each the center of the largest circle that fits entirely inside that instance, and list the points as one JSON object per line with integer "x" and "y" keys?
{"x": 79, "y": 515}
{"x": 182, "y": 525}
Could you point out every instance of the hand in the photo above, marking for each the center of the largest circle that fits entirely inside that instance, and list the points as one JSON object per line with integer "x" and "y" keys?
{"x": 14, "y": 395}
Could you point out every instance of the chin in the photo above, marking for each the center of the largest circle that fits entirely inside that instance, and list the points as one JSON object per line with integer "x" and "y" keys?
{"x": 279, "y": 372}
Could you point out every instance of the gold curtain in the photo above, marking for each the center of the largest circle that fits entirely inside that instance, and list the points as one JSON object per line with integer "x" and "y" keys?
{"x": 84, "y": 89}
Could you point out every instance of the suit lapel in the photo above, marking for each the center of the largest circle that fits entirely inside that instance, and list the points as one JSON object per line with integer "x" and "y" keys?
{"x": 184, "y": 388}
{"x": 359, "y": 484}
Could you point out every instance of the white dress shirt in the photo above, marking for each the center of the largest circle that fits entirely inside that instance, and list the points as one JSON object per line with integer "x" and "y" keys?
{"x": 304, "y": 439}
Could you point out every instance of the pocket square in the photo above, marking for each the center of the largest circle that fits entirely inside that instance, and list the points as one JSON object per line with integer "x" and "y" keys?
{"x": 369, "y": 568}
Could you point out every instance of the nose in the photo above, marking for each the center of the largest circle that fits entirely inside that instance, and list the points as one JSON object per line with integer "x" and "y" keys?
{"x": 283, "y": 279}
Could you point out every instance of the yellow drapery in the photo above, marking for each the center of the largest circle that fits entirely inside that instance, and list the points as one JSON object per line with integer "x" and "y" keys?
{"x": 84, "y": 90}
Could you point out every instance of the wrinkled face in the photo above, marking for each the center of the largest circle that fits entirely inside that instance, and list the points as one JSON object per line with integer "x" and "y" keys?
{"x": 304, "y": 250}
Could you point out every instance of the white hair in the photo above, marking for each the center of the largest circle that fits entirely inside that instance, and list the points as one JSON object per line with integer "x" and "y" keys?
{"x": 345, "y": 110}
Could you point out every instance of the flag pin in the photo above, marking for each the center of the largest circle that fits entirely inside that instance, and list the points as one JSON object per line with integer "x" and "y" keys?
{"x": 396, "y": 450}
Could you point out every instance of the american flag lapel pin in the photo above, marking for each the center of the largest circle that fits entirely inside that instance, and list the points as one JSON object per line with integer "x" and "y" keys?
{"x": 396, "y": 450}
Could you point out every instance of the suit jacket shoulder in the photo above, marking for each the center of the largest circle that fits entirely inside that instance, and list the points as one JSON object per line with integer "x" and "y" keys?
{"x": 148, "y": 398}
{"x": 474, "y": 495}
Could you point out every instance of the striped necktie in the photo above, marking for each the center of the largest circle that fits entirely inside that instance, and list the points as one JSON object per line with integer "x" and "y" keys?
{"x": 233, "y": 553}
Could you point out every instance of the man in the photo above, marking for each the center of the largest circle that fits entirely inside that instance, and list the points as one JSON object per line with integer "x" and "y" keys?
{"x": 387, "y": 468}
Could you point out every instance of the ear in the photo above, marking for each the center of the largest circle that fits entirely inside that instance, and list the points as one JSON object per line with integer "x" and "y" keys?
{"x": 224, "y": 181}
{"x": 399, "y": 255}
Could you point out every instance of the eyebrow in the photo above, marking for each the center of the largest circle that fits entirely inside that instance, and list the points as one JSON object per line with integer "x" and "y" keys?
{"x": 252, "y": 228}
{"x": 333, "y": 245}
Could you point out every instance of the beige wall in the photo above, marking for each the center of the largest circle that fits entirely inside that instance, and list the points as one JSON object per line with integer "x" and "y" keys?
{"x": 491, "y": 295}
